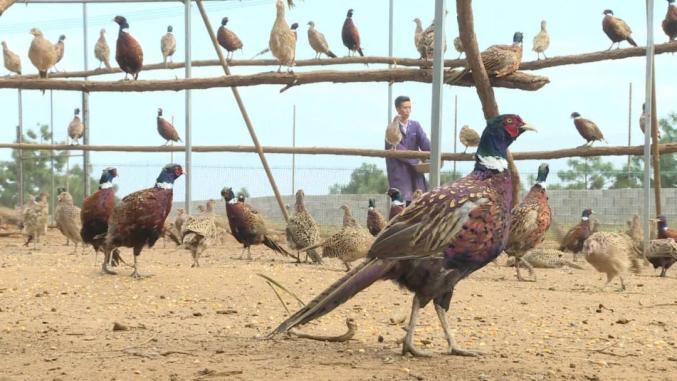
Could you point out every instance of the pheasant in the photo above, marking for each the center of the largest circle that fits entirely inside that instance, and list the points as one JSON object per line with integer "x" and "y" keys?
{"x": 101, "y": 50}
{"x": 612, "y": 254}
{"x": 128, "y": 53}
{"x": 375, "y": 220}
{"x": 198, "y": 232}
{"x": 349, "y": 244}
{"x": 282, "y": 42}
{"x": 663, "y": 230}
{"x": 168, "y": 45}
{"x": 302, "y": 230}
{"x": 544, "y": 259}
{"x": 662, "y": 253}
{"x": 530, "y": 221}
{"x": 468, "y": 137}
{"x": 67, "y": 218}
{"x": 616, "y": 29}
{"x": 247, "y": 225}
{"x": 75, "y": 127}
{"x": 393, "y": 133}
{"x": 350, "y": 35}
{"x": 11, "y": 59}
{"x": 138, "y": 220}
{"x": 36, "y": 216}
{"x": 458, "y": 45}
{"x": 425, "y": 40}
{"x": 541, "y": 41}
{"x": 180, "y": 219}
{"x": 397, "y": 204}
{"x": 41, "y": 53}
{"x": 498, "y": 60}
{"x": 318, "y": 42}
{"x": 574, "y": 238}
{"x": 587, "y": 129}
{"x": 669, "y": 24}
{"x": 166, "y": 129}
{"x": 96, "y": 209}
{"x": 643, "y": 122}
{"x": 452, "y": 231}
{"x": 228, "y": 39}
{"x": 59, "y": 47}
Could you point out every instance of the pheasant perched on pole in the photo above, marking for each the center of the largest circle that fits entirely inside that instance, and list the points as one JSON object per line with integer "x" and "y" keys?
{"x": 102, "y": 50}
{"x": 168, "y": 45}
{"x": 498, "y": 60}
{"x": 60, "y": 48}
{"x": 574, "y": 238}
{"x": 375, "y": 220}
{"x": 282, "y": 42}
{"x": 616, "y": 29}
{"x": 318, "y": 42}
{"x": 587, "y": 129}
{"x": 128, "y": 53}
{"x": 424, "y": 39}
{"x": 228, "y": 39}
{"x": 11, "y": 59}
{"x": 669, "y": 23}
{"x": 96, "y": 209}
{"x": 75, "y": 128}
{"x": 166, "y": 129}
{"x": 302, "y": 230}
{"x": 349, "y": 244}
{"x": 445, "y": 236}
{"x": 350, "y": 35}
{"x": 138, "y": 220}
{"x": 198, "y": 232}
{"x": 530, "y": 221}
{"x": 468, "y": 137}
{"x": 67, "y": 218}
{"x": 247, "y": 225}
{"x": 541, "y": 41}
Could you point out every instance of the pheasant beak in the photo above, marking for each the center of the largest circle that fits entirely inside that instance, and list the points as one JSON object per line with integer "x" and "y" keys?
{"x": 528, "y": 127}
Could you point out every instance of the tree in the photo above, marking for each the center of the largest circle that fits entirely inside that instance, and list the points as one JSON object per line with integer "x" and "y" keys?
{"x": 587, "y": 173}
{"x": 368, "y": 178}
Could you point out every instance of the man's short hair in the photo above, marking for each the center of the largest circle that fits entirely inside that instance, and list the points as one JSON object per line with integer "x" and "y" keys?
{"x": 401, "y": 99}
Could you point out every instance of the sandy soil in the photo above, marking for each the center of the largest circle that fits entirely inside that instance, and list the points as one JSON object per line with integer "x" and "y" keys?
{"x": 57, "y": 313}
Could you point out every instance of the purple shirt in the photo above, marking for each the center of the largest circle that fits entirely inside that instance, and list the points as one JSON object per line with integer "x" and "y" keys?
{"x": 401, "y": 172}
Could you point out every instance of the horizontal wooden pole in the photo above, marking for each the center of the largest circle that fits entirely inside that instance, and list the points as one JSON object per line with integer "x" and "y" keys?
{"x": 448, "y": 156}
{"x": 397, "y": 61}
{"x": 518, "y": 80}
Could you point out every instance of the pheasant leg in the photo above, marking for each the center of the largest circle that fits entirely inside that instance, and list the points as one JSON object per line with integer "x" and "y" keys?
{"x": 104, "y": 266}
{"x": 529, "y": 267}
{"x": 453, "y": 348}
{"x": 407, "y": 344}
{"x": 135, "y": 274}
{"x": 663, "y": 271}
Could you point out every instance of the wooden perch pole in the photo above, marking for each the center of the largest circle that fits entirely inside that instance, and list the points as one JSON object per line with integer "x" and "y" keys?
{"x": 485, "y": 92}
{"x": 518, "y": 80}
{"x": 573, "y": 59}
{"x": 664, "y": 148}
{"x": 4, "y": 4}
{"x": 243, "y": 110}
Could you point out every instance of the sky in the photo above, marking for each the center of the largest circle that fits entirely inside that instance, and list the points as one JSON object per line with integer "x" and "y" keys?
{"x": 336, "y": 115}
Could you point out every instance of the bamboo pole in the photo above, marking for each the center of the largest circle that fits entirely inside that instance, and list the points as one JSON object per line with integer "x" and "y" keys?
{"x": 664, "y": 148}
{"x": 481, "y": 78}
{"x": 518, "y": 80}
{"x": 243, "y": 110}
{"x": 573, "y": 59}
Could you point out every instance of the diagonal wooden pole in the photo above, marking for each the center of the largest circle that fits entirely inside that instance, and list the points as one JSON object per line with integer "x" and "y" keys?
{"x": 485, "y": 92}
{"x": 243, "y": 110}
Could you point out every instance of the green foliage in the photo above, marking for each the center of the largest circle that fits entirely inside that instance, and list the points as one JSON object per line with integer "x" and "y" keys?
{"x": 368, "y": 178}
{"x": 244, "y": 191}
{"x": 586, "y": 173}
{"x": 448, "y": 176}
{"x": 37, "y": 176}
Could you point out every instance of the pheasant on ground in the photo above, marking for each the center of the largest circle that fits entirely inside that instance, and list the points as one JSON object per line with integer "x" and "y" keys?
{"x": 574, "y": 238}
{"x": 530, "y": 220}
{"x": 397, "y": 203}
{"x": 451, "y": 232}
{"x": 36, "y": 216}
{"x": 96, "y": 210}
{"x": 375, "y": 220}
{"x": 247, "y": 225}
{"x": 199, "y": 232}
{"x": 612, "y": 253}
{"x": 541, "y": 258}
{"x": 349, "y": 244}
{"x": 662, "y": 253}
{"x": 302, "y": 230}
{"x": 67, "y": 218}
{"x": 180, "y": 219}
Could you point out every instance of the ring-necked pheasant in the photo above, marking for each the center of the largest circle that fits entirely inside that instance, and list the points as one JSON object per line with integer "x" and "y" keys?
{"x": 530, "y": 221}
{"x": 574, "y": 238}
{"x": 452, "y": 231}
{"x": 166, "y": 129}
{"x": 198, "y": 232}
{"x": 11, "y": 59}
{"x": 350, "y": 35}
{"x": 397, "y": 203}
{"x": 75, "y": 128}
{"x": 669, "y": 23}
{"x": 247, "y": 225}
{"x": 228, "y": 39}
{"x": 375, "y": 220}
{"x": 128, "y": 53}
{"x": 587, "y": 129}
{"x": 349, "y": 244}
{"x": 616, "y": 29}
{"x": 96, "y": 209}
{"x": 302, "y": 230}
{"x": 139, "y": 219}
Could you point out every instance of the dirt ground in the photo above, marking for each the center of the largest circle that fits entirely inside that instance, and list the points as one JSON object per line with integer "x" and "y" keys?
{"x": 57, "y": 313}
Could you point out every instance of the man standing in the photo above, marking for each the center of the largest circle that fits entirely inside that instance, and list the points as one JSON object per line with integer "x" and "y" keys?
{"x": 401, "y": 172}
